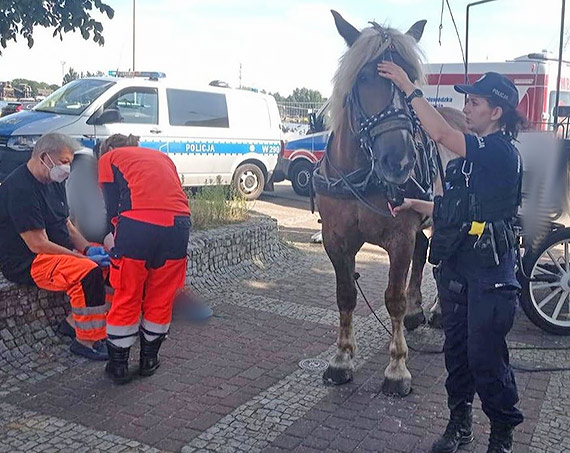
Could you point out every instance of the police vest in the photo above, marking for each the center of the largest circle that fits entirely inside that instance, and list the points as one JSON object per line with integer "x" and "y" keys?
{"x": 460, "y": 204}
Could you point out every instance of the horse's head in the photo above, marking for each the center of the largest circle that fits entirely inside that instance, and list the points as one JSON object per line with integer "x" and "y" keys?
{"x": 372, "y": 107}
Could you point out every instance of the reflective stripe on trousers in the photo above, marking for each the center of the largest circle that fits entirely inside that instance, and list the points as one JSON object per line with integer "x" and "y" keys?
{"x": 82, "y": 280}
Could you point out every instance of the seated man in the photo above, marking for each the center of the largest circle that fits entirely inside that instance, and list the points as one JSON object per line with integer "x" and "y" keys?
{"x": 39, "y": 245}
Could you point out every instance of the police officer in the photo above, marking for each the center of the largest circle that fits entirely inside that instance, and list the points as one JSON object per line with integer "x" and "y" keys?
{"x": 473, "y": 245}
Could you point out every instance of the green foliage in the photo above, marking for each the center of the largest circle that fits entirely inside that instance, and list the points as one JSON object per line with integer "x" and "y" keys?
{"x": 19, "y": 17}
{"x": 70, "y": 76}
{"x": 301, "y": 95}
{"x": 215, "y": 205}
{"x": 34, "y": 85}
{"x": 305, "y": 95}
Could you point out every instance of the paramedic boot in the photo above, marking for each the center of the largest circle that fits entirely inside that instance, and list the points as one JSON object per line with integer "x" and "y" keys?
{"x": 458, "y": 431}
{"x": 117, "y": 367}
{"x": 149, "y": 361}
{"x": 501, "y": 438}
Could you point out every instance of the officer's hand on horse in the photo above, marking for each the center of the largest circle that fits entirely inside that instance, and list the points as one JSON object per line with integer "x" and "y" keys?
{"x": 407, "y": 204}
{"x": 396, "y": 74}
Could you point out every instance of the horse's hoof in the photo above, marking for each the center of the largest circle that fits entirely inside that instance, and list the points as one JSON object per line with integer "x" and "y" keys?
{"x": 400, "y": 387}
{"x": 435, "y": 320}
{"x": 412, "y": 322}
{"x": 337, "y": 376}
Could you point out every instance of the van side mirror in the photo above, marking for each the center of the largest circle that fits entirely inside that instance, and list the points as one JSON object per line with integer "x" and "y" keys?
{"x": 108, "y": 116}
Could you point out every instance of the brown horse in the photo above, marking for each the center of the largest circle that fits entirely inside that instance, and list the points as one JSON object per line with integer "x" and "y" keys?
{"x": 373, "y": 128}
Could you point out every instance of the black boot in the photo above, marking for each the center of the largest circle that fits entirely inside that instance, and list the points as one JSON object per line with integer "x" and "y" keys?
{"x": 149, "y": 355}
{"x": 118, "y": 364}
{"x": 501, "y": 438}
{"x": 458, "y": 431}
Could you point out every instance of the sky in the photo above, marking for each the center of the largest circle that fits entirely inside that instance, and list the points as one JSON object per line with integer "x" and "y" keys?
{"x": 280, "y": 45}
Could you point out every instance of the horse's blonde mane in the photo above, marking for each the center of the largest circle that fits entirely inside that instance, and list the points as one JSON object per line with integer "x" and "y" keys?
{"x": 368, "y": 47}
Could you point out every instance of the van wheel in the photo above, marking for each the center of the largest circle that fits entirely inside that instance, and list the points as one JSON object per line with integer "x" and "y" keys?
{"x": 301, "y": 177}
{"x": 249, "y": 181}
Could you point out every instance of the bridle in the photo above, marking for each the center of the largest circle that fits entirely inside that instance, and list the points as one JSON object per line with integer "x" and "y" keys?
{"x": 397, "y": 115}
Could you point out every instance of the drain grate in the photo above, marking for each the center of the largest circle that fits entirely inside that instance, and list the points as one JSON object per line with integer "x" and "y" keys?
{"x": 314, "y": 364}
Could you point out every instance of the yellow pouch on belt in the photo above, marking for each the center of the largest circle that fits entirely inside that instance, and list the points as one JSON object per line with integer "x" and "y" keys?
{"x": 476, "y": 229}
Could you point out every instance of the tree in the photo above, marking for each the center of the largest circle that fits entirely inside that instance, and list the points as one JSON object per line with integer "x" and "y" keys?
{"x": 34, "y": 85}
{"x": 278, "y": 97}
{"x": 19, "y": 17}
{"x": 305, "y": 95}
{"x": 91, "y": 74}
{"x": 70, "y": 76}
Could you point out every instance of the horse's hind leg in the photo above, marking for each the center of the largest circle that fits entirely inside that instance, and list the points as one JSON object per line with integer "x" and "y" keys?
{"x": 397, "y": 378}
{"x": 414, "y": 312}
{"x": 341, "y": 366}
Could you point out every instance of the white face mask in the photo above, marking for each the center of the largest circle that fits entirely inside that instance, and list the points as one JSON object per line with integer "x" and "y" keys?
{"x": 57, "y": 173}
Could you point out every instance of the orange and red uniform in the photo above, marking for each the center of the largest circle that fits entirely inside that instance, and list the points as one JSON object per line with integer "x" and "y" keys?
{"x": 25, "y": 205}
{"x": 151, "y": 217}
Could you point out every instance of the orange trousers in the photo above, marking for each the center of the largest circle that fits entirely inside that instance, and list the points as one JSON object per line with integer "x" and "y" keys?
{"x": 83, "y": 282}
{"x": 148, "y": 268}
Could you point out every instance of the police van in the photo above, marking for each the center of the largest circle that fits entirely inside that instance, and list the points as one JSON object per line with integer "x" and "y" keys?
{"x": 214, "y": 135}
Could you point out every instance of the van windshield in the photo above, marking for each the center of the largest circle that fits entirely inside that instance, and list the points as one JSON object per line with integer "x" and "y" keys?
{"x": 75, "y": 97}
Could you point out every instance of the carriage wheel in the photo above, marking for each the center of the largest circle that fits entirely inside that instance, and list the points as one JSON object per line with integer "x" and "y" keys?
{"x": 546, "y": 294}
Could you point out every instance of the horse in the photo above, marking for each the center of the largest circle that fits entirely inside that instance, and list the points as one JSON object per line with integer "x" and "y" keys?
{"x": 370, "y": 161}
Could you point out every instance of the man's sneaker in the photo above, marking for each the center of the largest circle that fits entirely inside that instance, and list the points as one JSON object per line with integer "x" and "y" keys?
{"x": 65, "y": 329}
{"x": 97, "y": 352}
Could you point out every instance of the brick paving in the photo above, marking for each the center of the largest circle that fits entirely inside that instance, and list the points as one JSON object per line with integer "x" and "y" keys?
{"x": 234, "y": 384}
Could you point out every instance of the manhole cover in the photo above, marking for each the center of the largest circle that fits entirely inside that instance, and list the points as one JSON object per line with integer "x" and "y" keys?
{"x": 314, "y": 364}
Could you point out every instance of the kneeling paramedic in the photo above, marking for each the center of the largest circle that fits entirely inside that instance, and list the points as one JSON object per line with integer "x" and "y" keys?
{"x": 151, "y": 219}
{"x": 474, "y": 246}
{"x": 40, "y": 246}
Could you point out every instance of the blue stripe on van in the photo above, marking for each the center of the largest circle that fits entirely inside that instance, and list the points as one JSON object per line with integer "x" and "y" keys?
{"x": 207, "y": 147}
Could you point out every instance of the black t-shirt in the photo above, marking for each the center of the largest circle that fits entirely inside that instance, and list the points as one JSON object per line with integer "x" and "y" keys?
{"x": 497, "y": 167}
{"x": 27, "y": 204}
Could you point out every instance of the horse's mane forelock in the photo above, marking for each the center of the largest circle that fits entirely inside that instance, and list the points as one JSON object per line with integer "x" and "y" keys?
{"x": 368, "y": 47}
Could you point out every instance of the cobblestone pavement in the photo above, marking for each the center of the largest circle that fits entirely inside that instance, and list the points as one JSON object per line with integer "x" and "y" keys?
{"x": 234, "y": 384}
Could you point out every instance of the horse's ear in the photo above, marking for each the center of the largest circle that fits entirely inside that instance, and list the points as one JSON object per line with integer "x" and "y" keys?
{"x": 417, "y": 30}
{"x": 347, "y": 31}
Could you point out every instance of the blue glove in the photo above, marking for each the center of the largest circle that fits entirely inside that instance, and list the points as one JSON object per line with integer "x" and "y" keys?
{"x": 101, "y": 260}
{"x": 96, "y": 250}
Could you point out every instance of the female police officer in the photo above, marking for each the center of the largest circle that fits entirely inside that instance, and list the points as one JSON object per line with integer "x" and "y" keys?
{"x": 474, "y": 246}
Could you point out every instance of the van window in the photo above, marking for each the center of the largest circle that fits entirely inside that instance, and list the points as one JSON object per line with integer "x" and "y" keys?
{"x": 136, "y": 105}
{"x": 197, "y": 108}
{"x": 254, "y": 112}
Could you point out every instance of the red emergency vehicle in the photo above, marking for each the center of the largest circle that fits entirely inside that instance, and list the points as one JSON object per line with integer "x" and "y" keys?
{"x": 534, "y": 75}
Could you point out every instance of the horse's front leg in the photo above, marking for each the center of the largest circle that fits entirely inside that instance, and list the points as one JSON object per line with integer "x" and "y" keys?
{"x": 397, "y": 378}
{"x": 414, "y": 312}
{"x": 341, "y": 366}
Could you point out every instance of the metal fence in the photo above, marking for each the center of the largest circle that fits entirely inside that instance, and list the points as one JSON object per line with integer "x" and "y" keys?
{"x": 297, "y": 112}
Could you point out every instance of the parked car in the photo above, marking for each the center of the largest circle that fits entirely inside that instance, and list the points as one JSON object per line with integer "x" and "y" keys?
{"x": 298, "y": 159}
{"x": 12, "y": 107}
{"x": 213, "y": 135}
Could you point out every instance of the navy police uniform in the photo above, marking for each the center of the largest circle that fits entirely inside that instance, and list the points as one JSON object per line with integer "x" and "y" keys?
{"x": 476, "y": 282}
